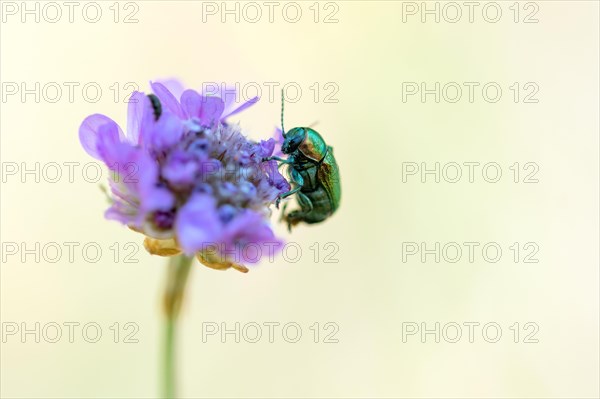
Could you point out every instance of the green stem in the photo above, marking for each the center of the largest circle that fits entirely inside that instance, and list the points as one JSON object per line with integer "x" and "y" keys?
{"x": 179, "y": 269}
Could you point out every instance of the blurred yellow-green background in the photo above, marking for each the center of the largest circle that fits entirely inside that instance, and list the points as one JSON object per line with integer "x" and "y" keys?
{"x": 355, "y": 63}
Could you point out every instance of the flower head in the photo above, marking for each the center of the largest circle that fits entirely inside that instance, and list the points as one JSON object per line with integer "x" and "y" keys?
{"x": 187, "y": 179}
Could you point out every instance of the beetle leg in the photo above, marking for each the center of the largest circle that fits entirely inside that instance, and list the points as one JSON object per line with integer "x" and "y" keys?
{"x": 296, "y": 216}
{"x": 289, "y": 223}
{"x": 283, "y": 215}
{"x": 296, "y": 179}
{"x": 277, "y": 159}
{"x": 285, "y": 195}
{"x": 305, "y": 203}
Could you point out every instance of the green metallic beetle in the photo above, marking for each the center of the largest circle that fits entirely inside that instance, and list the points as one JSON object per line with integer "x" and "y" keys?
{"x": 313, "y": 172}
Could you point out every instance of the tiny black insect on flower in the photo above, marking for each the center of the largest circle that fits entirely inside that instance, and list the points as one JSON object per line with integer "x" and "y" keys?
{"x": 156, "y": 106}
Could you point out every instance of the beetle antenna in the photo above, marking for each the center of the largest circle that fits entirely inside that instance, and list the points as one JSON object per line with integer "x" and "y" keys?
{"x": 282, "y": 101}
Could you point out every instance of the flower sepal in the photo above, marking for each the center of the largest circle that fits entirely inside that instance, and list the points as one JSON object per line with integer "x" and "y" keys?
{"x": 209, "y": 259}
{"x": 166, "y": 247}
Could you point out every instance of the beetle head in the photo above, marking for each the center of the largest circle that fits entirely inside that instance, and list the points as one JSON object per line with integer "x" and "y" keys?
{"x": 293, "y": 139}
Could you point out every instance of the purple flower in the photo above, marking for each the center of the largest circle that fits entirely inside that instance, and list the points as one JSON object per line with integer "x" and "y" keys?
{"x": 169, "y": 90}
{"x": 188, "y": 180}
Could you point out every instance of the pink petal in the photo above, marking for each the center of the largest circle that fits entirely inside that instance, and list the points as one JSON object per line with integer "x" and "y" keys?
{"x": 197, "y": 224}
{"x": 242, "y": 107}
{"x": 90, "y": 129}
{"x": 211, "y": 110}
{"x": 167, "y": 99}
{"x": 174, "y": 86}
{"x": 191, "y": 102}
{"x": 136, "y": 111}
